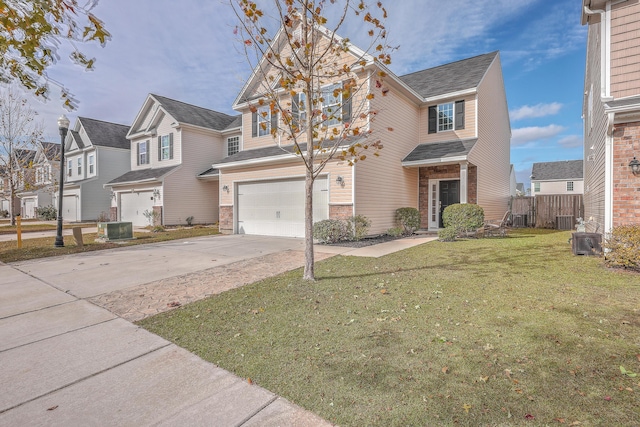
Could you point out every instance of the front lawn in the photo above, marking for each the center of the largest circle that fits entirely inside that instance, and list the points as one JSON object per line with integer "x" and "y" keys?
{"x": 43, "y": 247}
{"x": 513, "y": 331}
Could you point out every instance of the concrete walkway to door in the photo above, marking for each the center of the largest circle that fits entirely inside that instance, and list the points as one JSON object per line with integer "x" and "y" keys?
{"x": 66, "y": 360}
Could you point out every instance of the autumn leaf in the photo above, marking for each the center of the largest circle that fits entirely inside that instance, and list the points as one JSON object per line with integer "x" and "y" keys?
{"x": 445, "y": 370}
{"x": 249, "y": 381}
{"x": 466, "y": 407}
{"x": 529, "y": 417}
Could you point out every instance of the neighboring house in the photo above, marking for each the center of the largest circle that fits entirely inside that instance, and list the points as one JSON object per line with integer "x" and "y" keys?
{"x": 426, "y": 163}
{"x": 95, "y": 153}
{"x": 520, "y": 191}
{"x": 513, "y": 183}
{"x": 611, "y": 111}
{"x": 563, "y": 177}
{"x": 173, "y": 145}
{"x": 41, "y": 179}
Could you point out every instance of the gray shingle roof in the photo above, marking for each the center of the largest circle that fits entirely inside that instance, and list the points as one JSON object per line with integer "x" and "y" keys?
{"x": 210, "y": 172}
{"x": 194, "y": 115}
{"x": 106, "y": 134}
{"x": 259, "y": 153}
{"x": 565, "y": 169}
{"x": 452, "y": 77}
{"x": 51, "y": 150}
{"x": 77, "y": 138}
{"x": 624, "y": 102}
{"x": 142, "y": 175}
{"x": 440, "y": 150}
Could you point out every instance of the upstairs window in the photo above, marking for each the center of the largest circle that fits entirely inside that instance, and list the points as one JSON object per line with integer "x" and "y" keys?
{"x": 233, "y": 145}
{"x": 332, "y": 103}
{"x": 143, "y": 153}
{"x": 569, "y": 185}
{"x": 165, "y": 147}
{"x": 79, "y": 166}
{"x": 69, "y": 167}
{"x": 446, "y": 117}
{"x": 92, "y": 164}
{"x": 262, "y": 121}
{"x": 536, "y": 187}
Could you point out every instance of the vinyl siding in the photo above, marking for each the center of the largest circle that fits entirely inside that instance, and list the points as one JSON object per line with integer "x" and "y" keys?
{"x": 559, "y": 187}
{"x": 595, "y": 136}
{"x": 491, "y": 154}
{"x": 184, "y": 195}
{"x": 163, "y": 128}
{"x": 382, "y": 184}
{"x": 625, "y": 51}
{"x": 469, "y": 130}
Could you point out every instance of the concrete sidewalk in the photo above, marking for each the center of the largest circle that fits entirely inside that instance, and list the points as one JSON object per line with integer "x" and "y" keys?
{"x": 67, "y": 360}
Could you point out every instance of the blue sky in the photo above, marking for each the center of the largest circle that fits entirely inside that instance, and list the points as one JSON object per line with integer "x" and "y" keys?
{"x": 187, "y": 51}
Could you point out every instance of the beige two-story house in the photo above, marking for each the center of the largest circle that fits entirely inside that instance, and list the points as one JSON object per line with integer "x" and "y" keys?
{"x": 172, "y": 147}
{"x": 611, "y": 112}
{"x": 40, "y": 178}
{"x": 446, "y": 139}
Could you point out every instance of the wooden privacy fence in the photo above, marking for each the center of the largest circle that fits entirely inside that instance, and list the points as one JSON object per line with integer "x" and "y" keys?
{"x": 548, "y": 211}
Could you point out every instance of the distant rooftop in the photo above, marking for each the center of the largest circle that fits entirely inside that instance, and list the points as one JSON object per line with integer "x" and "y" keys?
{"x": 565, "y": 169}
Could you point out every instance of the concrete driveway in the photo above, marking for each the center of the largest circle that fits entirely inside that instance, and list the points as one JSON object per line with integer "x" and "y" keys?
{"x": 66, "y": 361}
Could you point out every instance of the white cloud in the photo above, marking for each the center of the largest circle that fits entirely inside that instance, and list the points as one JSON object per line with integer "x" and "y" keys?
{"x": 571, "y": 141}
{"x": 535, "y": 111}
{"x": 534, "y": 133}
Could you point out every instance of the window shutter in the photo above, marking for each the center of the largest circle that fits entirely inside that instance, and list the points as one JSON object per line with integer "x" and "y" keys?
{"x": 274, "y": 120}
{"x": 459, "y": 114}
{"x": 159, "y": 148}
{"x": 295, "y": 109}
{"x": 254, "y": 124}
{"x": 433, "y": 119}
{"x": 171, "y": 145}
{"x": 138, "y": 154}
{"x": 148, "y": 143}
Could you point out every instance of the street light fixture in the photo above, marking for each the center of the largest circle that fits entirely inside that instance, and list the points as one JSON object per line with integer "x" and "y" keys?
{"x": 63, "y": 126}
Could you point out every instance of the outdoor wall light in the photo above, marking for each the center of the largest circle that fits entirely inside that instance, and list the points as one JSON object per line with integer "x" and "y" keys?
{"x": 635, "y": 166}
{"x": 340, "y": 180}
{"x": 225, "y": 188}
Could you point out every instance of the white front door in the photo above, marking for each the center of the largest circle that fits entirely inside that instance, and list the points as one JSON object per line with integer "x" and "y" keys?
{"x": 134, "y": 205}
{"x": 276, "y": 208}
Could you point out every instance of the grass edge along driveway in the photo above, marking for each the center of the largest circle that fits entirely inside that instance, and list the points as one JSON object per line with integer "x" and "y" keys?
{"x": 513, "y": 331}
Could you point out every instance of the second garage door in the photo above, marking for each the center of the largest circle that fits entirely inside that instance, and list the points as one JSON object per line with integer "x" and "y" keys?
{"x": 70, "y": 208}
{"x": 133, "y": 206}
{"x": 276, "y": 208}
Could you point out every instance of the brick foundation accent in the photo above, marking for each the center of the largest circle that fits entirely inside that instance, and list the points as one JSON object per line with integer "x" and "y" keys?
{"x": 626, "y": 185}
{"x": 444, "y": 172}
{"x": 340, "y": 211}
{"x": 113, "y": 213}
{"x": 225, "y": 226}
{"x": 158, "y": 215}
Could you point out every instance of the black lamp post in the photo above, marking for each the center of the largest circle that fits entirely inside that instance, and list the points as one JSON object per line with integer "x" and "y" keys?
{"x": 63, "y": 126}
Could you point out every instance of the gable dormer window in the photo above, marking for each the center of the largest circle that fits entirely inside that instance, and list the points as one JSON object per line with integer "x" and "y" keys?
{"x": 143, "y": 153}
{"x": 165, "y": 147}
{"x": 446, "y": 117}
{"x": 92, "y": 164}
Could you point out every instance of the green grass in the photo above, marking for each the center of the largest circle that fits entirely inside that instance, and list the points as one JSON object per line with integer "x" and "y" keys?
{"x": 43, "y": 247}
{"x": 31, "y": 228}
{"x": 477, "y": 332}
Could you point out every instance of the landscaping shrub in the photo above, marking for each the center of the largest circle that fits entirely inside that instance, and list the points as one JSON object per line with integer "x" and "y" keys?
{"x": 394, "y": 231}
{"x": 189, "y": 220}
{"x": 408, "y": 219}
{"x": 359, "y": 227}
{"x": 447, "y": 234}
{"x": 4, "y": 213}
{"x": 463, "y": 217}
{"x": 622, "y": 247}
{"x": 331, "y": 231}
{"x": 103, "y": 217}
{"x": 157, "y": 229}
{"x": 47, "y": 213}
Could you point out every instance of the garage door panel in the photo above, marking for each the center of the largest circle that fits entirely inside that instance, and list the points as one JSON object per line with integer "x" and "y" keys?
{"x": 70, "y": 208}
{"x": 133, "y": 206}
{"x": 276, "y": 208}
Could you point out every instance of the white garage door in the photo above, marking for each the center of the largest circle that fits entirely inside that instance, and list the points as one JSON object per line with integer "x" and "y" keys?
{"x": 29, "y": 208}
{"x": 70, "y": 208}
{"x": 276, "y": 208}
{"x": 133, "y": 206}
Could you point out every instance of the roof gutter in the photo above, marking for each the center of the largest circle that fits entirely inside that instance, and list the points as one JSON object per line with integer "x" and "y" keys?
{"x": 431, "y": 162}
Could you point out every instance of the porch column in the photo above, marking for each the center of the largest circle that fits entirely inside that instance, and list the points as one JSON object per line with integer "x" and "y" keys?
{"x": 464, "y": 182}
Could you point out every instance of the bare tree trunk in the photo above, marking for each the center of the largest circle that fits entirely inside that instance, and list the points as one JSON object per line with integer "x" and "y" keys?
{"x": 13, "y": 201}
{"x": 308, "y": 227}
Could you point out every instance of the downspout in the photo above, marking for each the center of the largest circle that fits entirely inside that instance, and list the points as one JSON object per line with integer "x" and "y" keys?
{"x": 608, "y": 175}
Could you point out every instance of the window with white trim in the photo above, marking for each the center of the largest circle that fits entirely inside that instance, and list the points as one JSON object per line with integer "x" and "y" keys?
{"x": 69, "y": 167}
{"x": 536, "y": 187}
{"x": 569, "y": 185}
{"x": 264, "y": 121}
{"x": 79, "y": 166}
{"x": 445, "y": 117}
{"x": 332, "y": 104}
{"x": 165, "y": 147}
{"x": 92, "y": 164}
{"x": 143, "y": 153}
{"x": 233, "y": 145}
